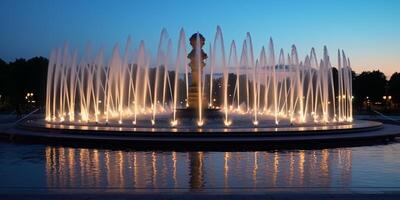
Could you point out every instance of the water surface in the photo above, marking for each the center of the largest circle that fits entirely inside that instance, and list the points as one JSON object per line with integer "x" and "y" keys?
{"x": 54, "y": 167}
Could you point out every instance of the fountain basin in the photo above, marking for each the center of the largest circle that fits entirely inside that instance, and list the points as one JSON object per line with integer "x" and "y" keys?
{"x": 255, "y": 138}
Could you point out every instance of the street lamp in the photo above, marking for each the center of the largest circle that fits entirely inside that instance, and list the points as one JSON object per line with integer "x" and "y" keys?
{"x": 29, "y": 97}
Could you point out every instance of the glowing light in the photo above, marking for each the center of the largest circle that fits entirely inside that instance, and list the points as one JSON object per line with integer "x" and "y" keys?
{"x": 174, "y": 123}
{"x": 200, "y": 123}
{"x": 350, "y": 119}
{"x": 255, "y": 123}
{"x": 227, "y": 123}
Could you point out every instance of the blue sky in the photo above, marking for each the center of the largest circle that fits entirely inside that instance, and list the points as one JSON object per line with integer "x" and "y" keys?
{"x": 368, "y": 30}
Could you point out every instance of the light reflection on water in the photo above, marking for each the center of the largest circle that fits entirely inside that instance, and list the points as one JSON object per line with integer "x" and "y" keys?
{"x": 69, "y": 167}
{"x": 65, "y": 167}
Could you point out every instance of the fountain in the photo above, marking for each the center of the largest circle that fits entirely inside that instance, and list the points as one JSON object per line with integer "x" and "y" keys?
{"x": 273, "y": 87}
{"x": 216, "y": 94}
{"x": 196, "y": 100}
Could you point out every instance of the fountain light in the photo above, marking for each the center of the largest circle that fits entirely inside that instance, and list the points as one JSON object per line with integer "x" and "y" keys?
{"x": 174, "y": 123}
{"x": 255, "y": 123}
{"x": 348, "y": 119}
{"x": 153, "y": 122}
{"x": 200, "y": 123}
{"x": 227, "y": 123}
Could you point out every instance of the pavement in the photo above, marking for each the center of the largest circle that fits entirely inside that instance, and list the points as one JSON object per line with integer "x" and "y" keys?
{"x": 387, "y": 119}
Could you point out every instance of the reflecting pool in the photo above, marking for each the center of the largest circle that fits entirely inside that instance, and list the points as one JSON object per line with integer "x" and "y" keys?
{"x": 54, "y": 167}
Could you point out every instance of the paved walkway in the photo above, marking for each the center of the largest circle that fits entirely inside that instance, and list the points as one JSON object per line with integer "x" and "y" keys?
{"x": 387, "y": 119}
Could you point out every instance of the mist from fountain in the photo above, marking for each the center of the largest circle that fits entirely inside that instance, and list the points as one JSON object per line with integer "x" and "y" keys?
{"x": 128, "y": 88}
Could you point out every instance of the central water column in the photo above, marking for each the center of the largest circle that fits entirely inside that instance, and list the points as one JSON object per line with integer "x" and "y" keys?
{"x": 197, "y": 56}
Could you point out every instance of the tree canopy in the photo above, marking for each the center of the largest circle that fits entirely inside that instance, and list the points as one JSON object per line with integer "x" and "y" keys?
{"x": 394, "y": 87}
{"x": 23, "y": 76}
{"x": 369, "y": 84}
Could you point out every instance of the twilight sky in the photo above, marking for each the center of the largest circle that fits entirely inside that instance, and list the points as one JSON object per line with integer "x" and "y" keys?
{"x": 368, "y": 30}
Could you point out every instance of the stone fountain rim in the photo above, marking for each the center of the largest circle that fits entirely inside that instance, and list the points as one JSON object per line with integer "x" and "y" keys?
{"x": 271, "y": 131}
{"x": 204, "y": 140}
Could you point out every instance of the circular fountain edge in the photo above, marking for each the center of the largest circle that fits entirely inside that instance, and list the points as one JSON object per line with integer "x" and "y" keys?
{"x": 369, "y": 131}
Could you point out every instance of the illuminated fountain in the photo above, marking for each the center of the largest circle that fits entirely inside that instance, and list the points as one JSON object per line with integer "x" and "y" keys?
{"x": 180, "y": 90}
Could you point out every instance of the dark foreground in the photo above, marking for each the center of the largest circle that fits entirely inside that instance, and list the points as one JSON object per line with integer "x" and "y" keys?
{"x": 59, "y": 171}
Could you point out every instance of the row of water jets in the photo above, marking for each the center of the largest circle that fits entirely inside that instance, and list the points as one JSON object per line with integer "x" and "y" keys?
{"x": 129, "y": 86}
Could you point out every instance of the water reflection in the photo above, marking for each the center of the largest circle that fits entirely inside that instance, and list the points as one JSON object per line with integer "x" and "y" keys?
{"x": 70, "y": 167}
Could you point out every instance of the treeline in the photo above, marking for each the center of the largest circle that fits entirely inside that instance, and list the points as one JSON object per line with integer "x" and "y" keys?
{"x": 372, "y": 88}
{"x": 22, "y": 77}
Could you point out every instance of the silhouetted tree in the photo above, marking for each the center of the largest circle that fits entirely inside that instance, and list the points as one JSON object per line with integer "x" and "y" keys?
{"x": 394, "y": 87}
{"x": 3, "y": 83}
{"x": 369, "y": 84}
{"x": 21, "y": 77}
